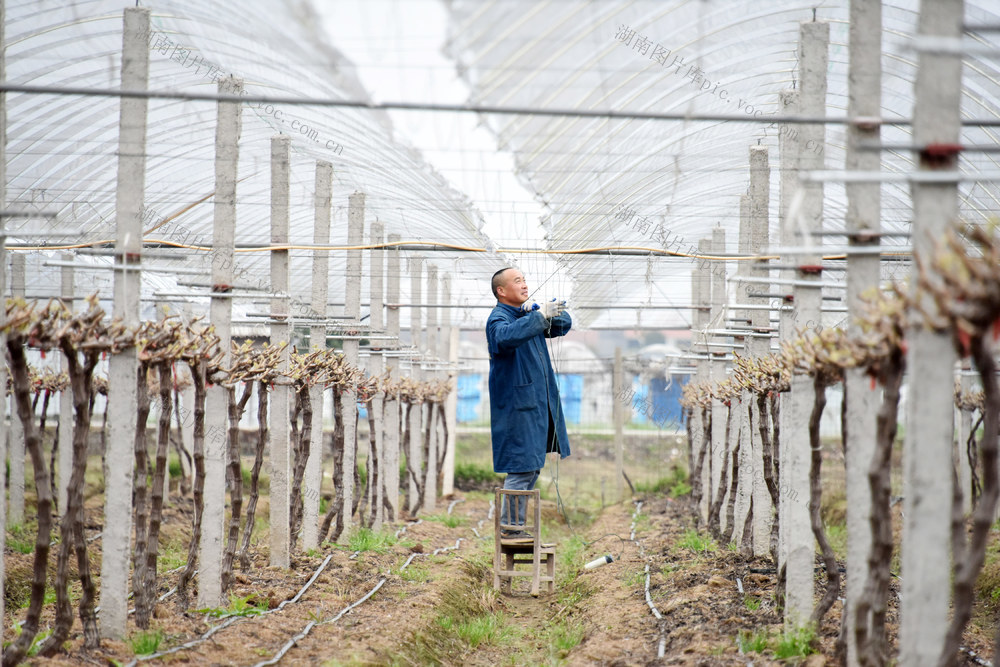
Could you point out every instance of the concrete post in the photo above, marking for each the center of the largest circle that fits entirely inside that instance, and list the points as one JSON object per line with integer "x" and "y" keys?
{"x": 430, "y": 485}
{"x": 619, "y": 415}
{"x": 760, "y": 199}
{"x": 740, "y": 424}
{"x": 720, "y": 413}
{"x": 123, "y": 367}
{"x": 352, "y": 312}
{"x": 704, "y": 369}
{"x": 413, "y": 454}
{"x": 313, "y": 481}
{"x": 15, "y": 512}
{"x": 64, "y": 466}
{"x": 788, "y": 151}
{"x": 3, "y": 290}
{"x": 376, "y": 365}
{"x": 813, "y": 45}
{"x": 392, "y": 425}
{"x": 279, "y": 448}
{"x": 449, "y": 351}
{"x": 863, "y": 215}
{"x": 927, "y": 443}
{"x": 227, "y": 133}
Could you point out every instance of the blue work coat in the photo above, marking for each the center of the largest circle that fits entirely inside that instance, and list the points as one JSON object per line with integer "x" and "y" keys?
{"x": 526, "y": 417}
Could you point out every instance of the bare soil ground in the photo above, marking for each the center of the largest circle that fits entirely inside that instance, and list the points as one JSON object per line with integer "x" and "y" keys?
{"x": 441, "y": 608}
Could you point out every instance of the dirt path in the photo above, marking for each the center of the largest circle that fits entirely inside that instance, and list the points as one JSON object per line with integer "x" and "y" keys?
{"x": 441, "y": 608}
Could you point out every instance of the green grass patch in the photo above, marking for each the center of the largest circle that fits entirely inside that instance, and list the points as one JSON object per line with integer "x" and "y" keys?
{"x": 450, "y": 520}
{"x": 246, "y": 606}
{"x": 796, "y": 643}
{"x": 414, "y": 573}
{"x": 174, "y": 469}
{"x": 469, "y": 616}
{"x": 562, "y": 638}
{"x": 36, "y": 643}
{"x": 752, "y": 604}
{"x": 635, "y": 578}
{"x": 696, "y": 541}
{"x": 366, "y": 539}
{"x": 146, "y": 643}
{"x": 675, "y": 484}
{"x": 20, "y": 539}
{"x": 475, "y": 477}
{"x": 753, "y": 642}
{"x": 485, "y": 629}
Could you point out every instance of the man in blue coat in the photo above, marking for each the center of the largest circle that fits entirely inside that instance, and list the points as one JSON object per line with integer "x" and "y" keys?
{"x": 526, "y": 418}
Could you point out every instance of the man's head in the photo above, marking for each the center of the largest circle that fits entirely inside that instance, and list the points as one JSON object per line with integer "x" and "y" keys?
{"x": 509, "y": 287}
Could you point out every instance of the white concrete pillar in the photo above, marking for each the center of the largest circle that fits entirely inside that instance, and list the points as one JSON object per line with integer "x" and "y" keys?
{"x": 414, "y": 452}
{"x": 3, "y": 290}
{"x": 807, "y": 217}
{"x": 619, "y": 413}
{"x": 759, "y": 346}
{"x": 392, "y": 425}
{"x": 376, "y": 366}
{"x": 123, "y": 367}
{"x": 430, "y": 485}
{"x": 720, "y": 413}
{"x": 930, "y": 360}
{"x": 788, "y": 150}
{"x": 701, "y": 323}
{"x": 352, "y": 312}
{"x": 15, "y": 511}
{"x": 227, "y": 133}
{"x": 742, "y": 426}
{"x": 279, "y": 448}
{"x": 313, "y": 480}
{"x": 863, "y": 215}
{"x": 64, "y": 465}
{"x": 448, "y": 351}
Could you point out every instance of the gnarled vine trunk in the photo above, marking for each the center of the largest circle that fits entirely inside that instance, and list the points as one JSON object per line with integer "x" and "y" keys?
{"x": 235, "y": 475}
{"x": 33, "y": 444}
{"x": 870, "y": 612}
{"x": 815, "y": 501}
{"x": 198, "y": 371}
{"x": 258, "y": 462}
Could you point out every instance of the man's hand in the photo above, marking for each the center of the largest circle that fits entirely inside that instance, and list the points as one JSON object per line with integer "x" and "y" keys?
{"x": 549, "y": 309}
{"x": 553, "y": 308}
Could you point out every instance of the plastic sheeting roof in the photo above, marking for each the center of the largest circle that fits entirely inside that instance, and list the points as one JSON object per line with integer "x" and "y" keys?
{"x": 62, "y": 150}
{"x": 687, "y": 56}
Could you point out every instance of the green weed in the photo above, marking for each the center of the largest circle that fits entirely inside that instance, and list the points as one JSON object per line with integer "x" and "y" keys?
{"x": 755, "y": 642}
{"x": 796, "y": 643}
{"x": 563, "y": 638}
{"x": 20, "y": 540}
{"x": 486, "y": 629}
{"x": 366, "y": 539}
{"x": 695, "y": 541}
{"x": 36, "y": 643}
{"x": 475, "y": 476}
{"x": 146, "y": 643}
{"x": 635, "y": 578}
{"x": 752, "y": 604}
{"x": 415, "y": 573}
{"x": 247, "y": 606}
{"x": 450, "y": 520}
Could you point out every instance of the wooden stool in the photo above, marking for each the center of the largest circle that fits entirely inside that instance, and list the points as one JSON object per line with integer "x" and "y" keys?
{"x": 511, "y": 551}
